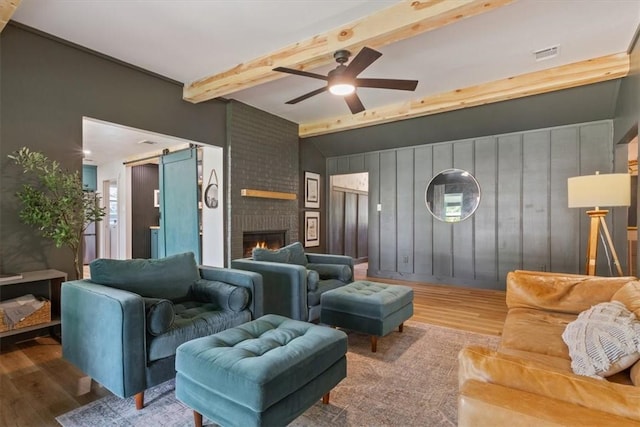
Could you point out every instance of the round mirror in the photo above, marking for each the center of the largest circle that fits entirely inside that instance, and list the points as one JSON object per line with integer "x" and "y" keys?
{"x": 453, "y": 195}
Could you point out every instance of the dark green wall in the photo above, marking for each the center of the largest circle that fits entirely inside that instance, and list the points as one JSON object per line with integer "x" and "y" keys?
{"x": 46, "y": 87}
{"x": 311, "y": 160}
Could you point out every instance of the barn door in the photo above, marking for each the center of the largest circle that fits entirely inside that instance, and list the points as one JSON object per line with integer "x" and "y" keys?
{"x": 179, "y": 220}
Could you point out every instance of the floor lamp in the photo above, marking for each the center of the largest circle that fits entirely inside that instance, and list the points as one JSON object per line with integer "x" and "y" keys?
{"x": 598, "y": 190}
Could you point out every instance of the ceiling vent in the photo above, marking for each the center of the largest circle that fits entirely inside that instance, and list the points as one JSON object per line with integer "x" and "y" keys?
{"x": 146, "y": 141}
{"x": 547, "y": 53}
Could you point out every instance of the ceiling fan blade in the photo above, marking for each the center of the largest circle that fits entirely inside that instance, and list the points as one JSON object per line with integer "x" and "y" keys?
{"x": 300, "y": 73}
{"x": 354, "y": 103}
{"x": 387, "y": 84}
{"x": 307, "y": 95}
{"x": 363, "y": 59}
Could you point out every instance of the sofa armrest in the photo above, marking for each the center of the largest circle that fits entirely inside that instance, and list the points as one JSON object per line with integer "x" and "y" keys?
{"x": 225, "y": 296}
{"x": 285, "y": 286}
{"x": 103, "y": 334}
{"x": 329, "y": 259}
{"x": 489, "y": 366}
{"x": 252, "y": 281}
{"x": 332, "y": 271}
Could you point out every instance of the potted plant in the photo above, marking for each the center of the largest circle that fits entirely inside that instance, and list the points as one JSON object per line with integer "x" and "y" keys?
{"x": 54, "y": 202}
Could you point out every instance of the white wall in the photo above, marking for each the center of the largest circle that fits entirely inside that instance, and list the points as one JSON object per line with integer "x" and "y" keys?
{"x": 212, "y": 218}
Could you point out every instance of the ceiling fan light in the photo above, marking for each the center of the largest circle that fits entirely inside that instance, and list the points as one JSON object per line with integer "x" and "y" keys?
{"x": 342, "y": 89}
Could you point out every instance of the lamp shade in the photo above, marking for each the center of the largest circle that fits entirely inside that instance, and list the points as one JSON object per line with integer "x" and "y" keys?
{"x": 600, "y": 190}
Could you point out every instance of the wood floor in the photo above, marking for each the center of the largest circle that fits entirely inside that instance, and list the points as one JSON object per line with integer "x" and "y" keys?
{"x": 36, "y": 385}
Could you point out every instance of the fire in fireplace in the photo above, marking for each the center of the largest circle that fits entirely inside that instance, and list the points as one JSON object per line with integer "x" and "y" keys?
{"x": 262, "y": 239}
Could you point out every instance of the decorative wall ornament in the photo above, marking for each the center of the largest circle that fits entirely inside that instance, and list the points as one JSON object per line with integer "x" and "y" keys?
{"x": 211, "y": 191}
{"x": 311, "y": 190}
{"x": 311, "y": 229}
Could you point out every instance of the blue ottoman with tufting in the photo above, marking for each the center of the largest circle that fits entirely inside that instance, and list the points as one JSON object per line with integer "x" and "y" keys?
{"x": 264, "y": 372}
{"x": 368, "y": 307}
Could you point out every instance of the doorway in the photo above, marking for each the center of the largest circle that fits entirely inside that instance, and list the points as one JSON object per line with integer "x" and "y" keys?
{"x": 110, "y": 223}
{"x": 349, "y": 216}
{"x": 113, "y": 150}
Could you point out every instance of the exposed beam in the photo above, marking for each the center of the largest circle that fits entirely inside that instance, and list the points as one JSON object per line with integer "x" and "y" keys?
{"x": 549, "y": 80}
{"x": 7, "y": 7}
{"x": 398, "y": 22}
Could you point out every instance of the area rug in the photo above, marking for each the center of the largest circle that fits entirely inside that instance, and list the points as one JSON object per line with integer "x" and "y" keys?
{"x": 412, "y": 380}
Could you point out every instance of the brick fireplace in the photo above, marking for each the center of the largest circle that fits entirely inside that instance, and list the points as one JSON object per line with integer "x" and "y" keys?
{"x": 263, "y": 155}
{"x": 262, "y": 239}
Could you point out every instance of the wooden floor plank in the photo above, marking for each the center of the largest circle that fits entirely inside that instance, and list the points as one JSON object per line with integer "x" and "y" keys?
{"x": 37, "y": 385}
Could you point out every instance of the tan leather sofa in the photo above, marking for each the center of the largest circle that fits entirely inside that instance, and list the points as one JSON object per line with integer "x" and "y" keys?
{"x": 528, "y": 381}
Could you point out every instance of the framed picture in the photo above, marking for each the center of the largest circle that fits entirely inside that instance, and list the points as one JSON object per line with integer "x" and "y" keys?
{"x": 311, "y": 229}
{"x": 311, "y": 190}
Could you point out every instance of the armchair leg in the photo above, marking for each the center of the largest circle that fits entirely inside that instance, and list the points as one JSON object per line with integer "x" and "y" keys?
{"x": 325, "y": 398}
{"x": 139, "y": 400}
{"x": 197, "y": 419}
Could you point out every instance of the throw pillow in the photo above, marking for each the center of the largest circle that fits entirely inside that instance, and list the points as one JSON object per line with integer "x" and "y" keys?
{"x": 278, "y": 255}
{"x": 224, "y": 295}
{"x": 603, "y": 340}
{"x": 160, "y": 315}
{"x": 312, "y": 280}
{"x": 629, "y": 295}
{"x": 296, "y": 254}
{"x": 332, "y": 271}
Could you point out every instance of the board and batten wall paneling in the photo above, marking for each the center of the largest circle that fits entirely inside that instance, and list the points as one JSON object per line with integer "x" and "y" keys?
{"x": 388, "y": 218}
{"x": 350, "y": 231}
{"x": 363, "y": 225}
{"x": 509, "y": 203}
{"x": 442, "y": 233}
{"x": 484, "y": 219}
{"x": 372, "y": 163}
{"x": 565, "y": 223}
{"x": 336, "y": 232}
{"x": 405, "y": 233}
{"x": 463, "y": 232}
{"x": 535, "y": 206}
{"x": 423, "y": 221}
{"x": 523, "y": 220}
{"x": 144, "y": 180}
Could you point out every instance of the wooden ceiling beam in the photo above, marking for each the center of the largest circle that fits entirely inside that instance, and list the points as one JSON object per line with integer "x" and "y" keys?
{"x": 398, "y": 22}
{"x": 7, "y": 8}
{"x": 538, "y": 82}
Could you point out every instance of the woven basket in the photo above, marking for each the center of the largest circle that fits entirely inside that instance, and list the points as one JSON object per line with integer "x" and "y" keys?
{"x": 41, "y": 315}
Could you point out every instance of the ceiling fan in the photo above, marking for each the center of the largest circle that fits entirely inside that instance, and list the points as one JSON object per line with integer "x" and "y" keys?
{"x": 343, "y": 80}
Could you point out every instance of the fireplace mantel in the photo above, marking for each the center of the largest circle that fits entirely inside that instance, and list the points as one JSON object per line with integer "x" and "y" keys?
{"x": 246, "y": 192}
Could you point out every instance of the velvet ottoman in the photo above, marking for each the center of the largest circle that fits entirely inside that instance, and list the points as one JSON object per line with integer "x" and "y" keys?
{"x": 264, "y": 372}
{"x": 368, "y": 307}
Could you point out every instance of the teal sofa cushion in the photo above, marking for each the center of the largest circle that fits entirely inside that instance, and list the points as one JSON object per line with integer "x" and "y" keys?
{"x": 159, "y": 315}
{"x": 332, "y": 271}
{"x": 193, "y": 320}
{"x": 169, "y": 278}
{"x": 278, "y": 255}
{"x": 225, "y": 296}
{"x": 296, "y": 254}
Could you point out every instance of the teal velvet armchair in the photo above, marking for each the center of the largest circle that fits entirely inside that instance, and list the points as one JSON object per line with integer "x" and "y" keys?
{"x": 294, "y": 280}
{"x": 123, "y": 326}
